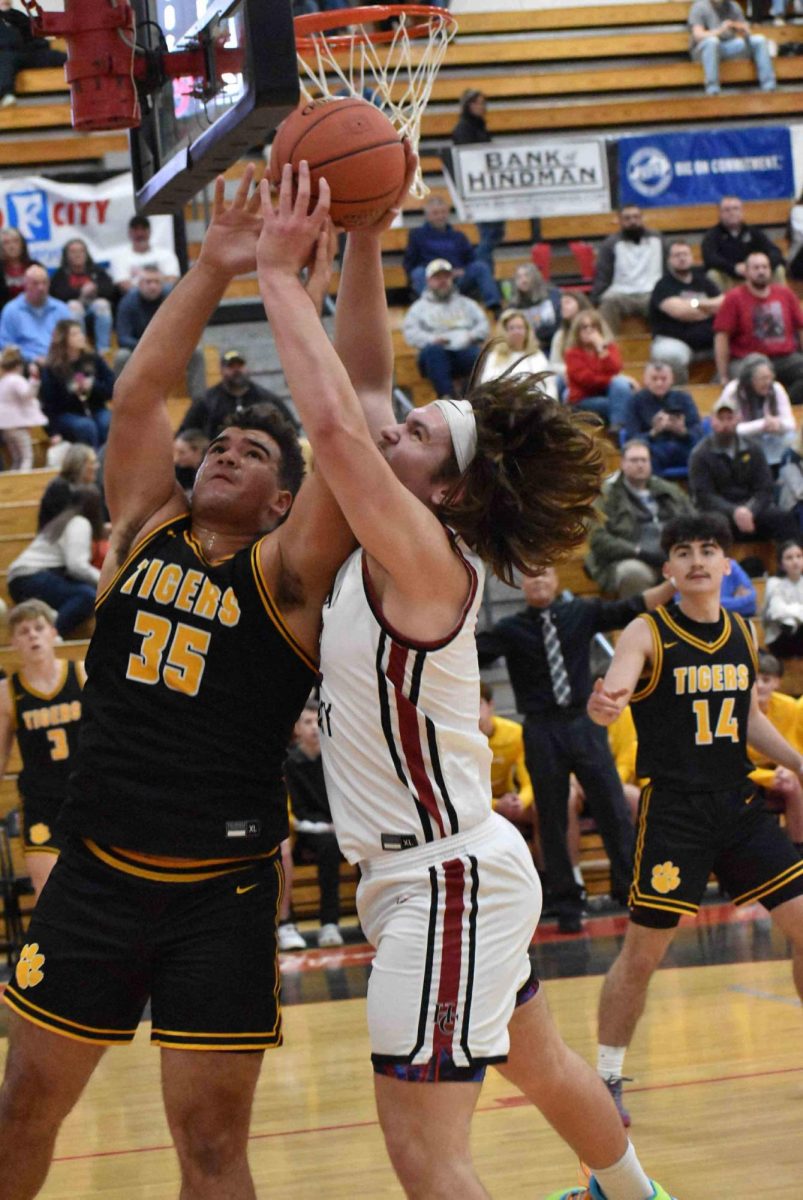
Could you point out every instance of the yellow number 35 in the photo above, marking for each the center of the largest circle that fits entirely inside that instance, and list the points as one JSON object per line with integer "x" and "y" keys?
{"x": 184, "y": 666}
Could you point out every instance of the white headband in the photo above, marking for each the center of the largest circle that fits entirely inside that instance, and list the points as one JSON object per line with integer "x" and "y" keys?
{"x": 459, "y": 416}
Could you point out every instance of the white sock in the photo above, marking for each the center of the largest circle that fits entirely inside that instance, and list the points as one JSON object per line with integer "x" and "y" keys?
{"x": 625, "y": 1180}
{"x": 578, "y": 876}
{"x": 611, "y": 1061}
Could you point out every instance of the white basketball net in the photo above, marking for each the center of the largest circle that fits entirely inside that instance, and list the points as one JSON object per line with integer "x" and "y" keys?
{"x": 397, "y": 75}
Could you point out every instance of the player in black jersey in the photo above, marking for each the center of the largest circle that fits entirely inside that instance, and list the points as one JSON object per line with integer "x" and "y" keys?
{"x": 688, "y": 671}
{"x": 205, "y": 651}
{"x": 41, "y": 705}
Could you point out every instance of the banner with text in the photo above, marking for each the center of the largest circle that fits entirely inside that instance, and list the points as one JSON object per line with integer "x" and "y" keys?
{"x": 700, "y": 167}
{"x": 536, "y": 177}
{"x": 48, "y": 214}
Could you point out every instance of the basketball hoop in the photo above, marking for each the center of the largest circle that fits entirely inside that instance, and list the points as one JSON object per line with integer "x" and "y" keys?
{"x": 394, "y": 68}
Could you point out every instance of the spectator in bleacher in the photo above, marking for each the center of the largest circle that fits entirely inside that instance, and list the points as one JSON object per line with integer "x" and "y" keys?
{"x": 19, "y": 409}
{"x": 189, "y": 448}
{"x": 470, "y": 129}
{"x": 446, "y": 328}
{"x": 761, "y": 317}
{"x": 790, "y": 481}
{"x": 511, "y": 786}
{"x": 730, "y": 475}
{"x": 20, "y": 50}
{"x": 315, "y": 839}
{"x": 546, "y": 649}
{"x": 78, "y": 466}
{"x": 682, "y": 308}
{"x": 783, "y": 603}
{"x": 763, "y": 407}
{"x": 719, "y": 32}
{"x": 571, "y": 303}
{"x": 666, "y": 417}
{"x": 28, "y": 321}
{"x": 782, "y": 789}
{"x": 77, "y": 386}
{"x": 235, "y": 392}
{"x": 87, "y": 289}
{"x": 57, "y": 565}
{"x": 594, "y": 379}
{"x": 629, "y": 265}
{"x": 15, "y": 259}
{"x": 625, "y": 554}
{"x": 135, "y": 312}
{"x": 531, "y": 294}
{"x": 725, "y": 247}
{"x": 516, "y": 351}
{"x": 128, "y": 262}
{"x": 437, "y": 239}
{"x": 794, "y": 233}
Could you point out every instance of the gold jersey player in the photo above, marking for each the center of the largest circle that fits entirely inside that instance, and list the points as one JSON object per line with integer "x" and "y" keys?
{"x": 204, "y": 653}
{"x": 40, "y": 705}
{"x": 688, "y": 671}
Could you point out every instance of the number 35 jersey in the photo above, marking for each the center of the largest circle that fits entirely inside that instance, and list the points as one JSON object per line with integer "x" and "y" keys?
{"x": 691, "y": 713}
{"x": 194, "y": 683}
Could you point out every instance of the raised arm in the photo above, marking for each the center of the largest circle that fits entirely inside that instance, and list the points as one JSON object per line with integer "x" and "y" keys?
{"x": 612, "y": 694}
{"x": 139, "y": 479}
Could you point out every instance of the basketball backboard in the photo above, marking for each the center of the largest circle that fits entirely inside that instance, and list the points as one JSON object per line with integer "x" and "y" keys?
{"x": 197, "y": 126}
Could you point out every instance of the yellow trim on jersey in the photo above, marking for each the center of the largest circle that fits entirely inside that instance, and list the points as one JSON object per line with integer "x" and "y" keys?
{"x": 80, "y": 672}
{"x": 13, "y": 701}
{"x": 275, "y": 1043}
{"x": 46, "y": 695}
{"x": 210, "y": 1033}
{"x": 66, "y": 1020}
{"x": 198, "y": 551}
{"x": 160, "y": 876}
{"x": 26, "y": 849}
{"x": 641, "y": 833}
{"x": 749, "y": 638}
{"x": 273, "y": 611}
{"x": 140, "y": 546}
{"x": 639, "y": 901}
{"x": 706, "y": 647}
{"x": 658, "y": 660}
{"x": 772, "y": 885}
{"x": 74, "y": 1037}
{"x": 136, "y": 857}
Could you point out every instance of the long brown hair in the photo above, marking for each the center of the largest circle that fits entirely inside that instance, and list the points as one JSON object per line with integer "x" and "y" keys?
{"x": 57, "y": 356}
{"x": 527, "y": 497}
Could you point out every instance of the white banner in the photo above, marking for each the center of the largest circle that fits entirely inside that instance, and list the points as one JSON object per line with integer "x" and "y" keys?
{"x": 48, "y": 214}
{"x": 536, "y": 177}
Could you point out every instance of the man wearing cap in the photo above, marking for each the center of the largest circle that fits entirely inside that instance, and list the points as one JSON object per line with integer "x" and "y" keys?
{"x": 235, "y": 392}
{"x": 730, "y": 474}
{"x": 436, "y": 238}
{"x": 446, "y": 328}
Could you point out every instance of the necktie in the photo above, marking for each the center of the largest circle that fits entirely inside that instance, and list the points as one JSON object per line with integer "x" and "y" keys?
{"x": 561, "y": 687}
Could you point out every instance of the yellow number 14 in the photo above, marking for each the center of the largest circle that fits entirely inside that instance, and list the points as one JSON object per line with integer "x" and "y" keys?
{"x": 184, "y": 668}
{"x": 727, "y": 724}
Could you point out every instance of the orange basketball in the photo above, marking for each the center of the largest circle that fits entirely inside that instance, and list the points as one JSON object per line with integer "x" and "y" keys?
{"x": 350, "y": 144}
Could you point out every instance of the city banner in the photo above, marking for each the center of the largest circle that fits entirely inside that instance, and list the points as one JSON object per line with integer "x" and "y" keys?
{"x": 532, "y": 177}
{"x": 662, "y": 169}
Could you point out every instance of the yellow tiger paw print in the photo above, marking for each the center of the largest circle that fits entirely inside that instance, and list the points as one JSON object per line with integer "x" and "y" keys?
{"x": 39, "y": 834}
{"x": 29, "y": 968}
{"x": 665, "y": 877}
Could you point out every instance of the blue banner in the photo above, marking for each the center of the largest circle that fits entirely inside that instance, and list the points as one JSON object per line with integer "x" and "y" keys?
{"x": 662, "y": 169}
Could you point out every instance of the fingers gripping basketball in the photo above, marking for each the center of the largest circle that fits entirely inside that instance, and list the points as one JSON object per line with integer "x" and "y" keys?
{"x": 350, "y": 144}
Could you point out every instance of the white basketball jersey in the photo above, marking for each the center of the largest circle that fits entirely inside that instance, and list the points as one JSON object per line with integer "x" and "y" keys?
{"x": 404, "y": 759}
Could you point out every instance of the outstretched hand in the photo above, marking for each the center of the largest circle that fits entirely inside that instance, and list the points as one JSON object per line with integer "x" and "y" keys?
{"x": 229, "y": 246}
{"x": 604, "y": 706}
{"x": 290, "y": 231}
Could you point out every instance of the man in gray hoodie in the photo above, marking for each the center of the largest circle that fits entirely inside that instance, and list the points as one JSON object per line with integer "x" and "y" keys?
{"x": 629, "y": 265}
{"x": 446, "y": 328}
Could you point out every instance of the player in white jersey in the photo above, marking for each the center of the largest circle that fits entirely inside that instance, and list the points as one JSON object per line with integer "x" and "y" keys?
{"x": 449, "y": 896}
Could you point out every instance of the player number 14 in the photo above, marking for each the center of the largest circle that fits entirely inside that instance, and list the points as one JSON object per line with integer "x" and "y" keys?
{"x": 727, "y": 725}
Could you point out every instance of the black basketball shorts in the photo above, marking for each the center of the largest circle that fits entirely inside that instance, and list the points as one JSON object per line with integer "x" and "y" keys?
{"x": 682, "y": 837}
{"x": 101, "y": 942}
{"x": 39, "y": 816}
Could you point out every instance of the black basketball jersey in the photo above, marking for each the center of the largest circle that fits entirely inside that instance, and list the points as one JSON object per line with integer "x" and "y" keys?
{"x": 691, "y": 714}
{"x": 194, "y": 683}
{"x": 47, "y": 733}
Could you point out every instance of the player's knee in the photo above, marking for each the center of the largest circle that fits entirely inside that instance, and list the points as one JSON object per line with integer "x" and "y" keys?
{"x": 28, "y": 1098}
{"x": 208, "y": 1141}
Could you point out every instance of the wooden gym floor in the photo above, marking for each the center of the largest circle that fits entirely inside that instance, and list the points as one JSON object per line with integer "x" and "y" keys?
{"x": 717, "y": 1097}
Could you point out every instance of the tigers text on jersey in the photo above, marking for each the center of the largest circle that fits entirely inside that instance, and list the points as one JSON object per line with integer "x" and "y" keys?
{"x": 691, "y": 713}
{"x": 194, "y": 685}
{"x": 47, "y": 727}
{"x": 404, "y": 758}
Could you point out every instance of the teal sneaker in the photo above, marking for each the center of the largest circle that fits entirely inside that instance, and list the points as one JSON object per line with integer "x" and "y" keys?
{"x": 594, "y": 1192}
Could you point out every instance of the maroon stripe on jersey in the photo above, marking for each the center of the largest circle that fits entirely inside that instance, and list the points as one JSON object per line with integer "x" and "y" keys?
{"x": 410, "y": 736}
{"x": 451, "y": 956}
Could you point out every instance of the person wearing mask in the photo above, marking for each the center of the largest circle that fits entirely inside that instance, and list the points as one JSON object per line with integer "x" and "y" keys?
{"x": 629, "y": 265}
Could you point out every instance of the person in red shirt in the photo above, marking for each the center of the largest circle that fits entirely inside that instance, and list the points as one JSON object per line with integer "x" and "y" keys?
{"x": 761, "y": 317}
{"x": 14, "y": 262}
{"x": 593, "y": 370}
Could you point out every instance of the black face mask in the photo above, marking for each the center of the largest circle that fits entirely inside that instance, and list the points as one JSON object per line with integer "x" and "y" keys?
{"x": 634, "y": 234}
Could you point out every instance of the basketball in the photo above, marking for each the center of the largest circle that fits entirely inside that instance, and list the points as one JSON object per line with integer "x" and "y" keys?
{"x": 350, "y": 144}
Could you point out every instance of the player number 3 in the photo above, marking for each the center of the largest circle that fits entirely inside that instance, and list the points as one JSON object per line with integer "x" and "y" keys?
{"x": 185, "y": 663}
{"x": 727, "y": 725}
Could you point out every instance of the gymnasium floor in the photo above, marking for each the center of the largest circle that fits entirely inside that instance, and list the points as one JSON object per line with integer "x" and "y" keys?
{"x": 717, "y": 1096}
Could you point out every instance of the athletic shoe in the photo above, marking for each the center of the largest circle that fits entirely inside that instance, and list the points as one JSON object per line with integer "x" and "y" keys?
{"x": 595, "y": 1192}
{"x": 330, "y": 935}
{"x": 614, "y": 1086}
{"x": 289, "y": 938}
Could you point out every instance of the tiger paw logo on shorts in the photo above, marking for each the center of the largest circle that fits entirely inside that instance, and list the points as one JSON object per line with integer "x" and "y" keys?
{"x": 29, "y": 968}
{"x": 39, "y": 834}
{"x": 665, "y": 877}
